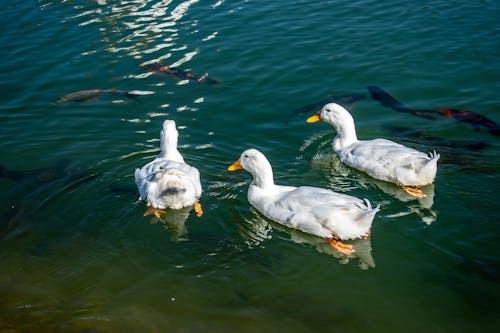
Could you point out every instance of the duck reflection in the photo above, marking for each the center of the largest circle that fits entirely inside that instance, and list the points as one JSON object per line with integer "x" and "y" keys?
{"x": 256, "y": 229}
{"x": 340, "y": 176}
{"x": 174, "y": 221}
{"x": 422, "y": 206}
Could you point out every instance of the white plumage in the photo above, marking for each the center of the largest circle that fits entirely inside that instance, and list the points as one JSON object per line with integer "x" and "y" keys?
{"x": 380, "y": 158}
{"x": 316, "y": 211}
{"x": 167, "y": 181}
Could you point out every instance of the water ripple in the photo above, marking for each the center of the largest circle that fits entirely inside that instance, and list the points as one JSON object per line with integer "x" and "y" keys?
{"x": 142, "y": 28}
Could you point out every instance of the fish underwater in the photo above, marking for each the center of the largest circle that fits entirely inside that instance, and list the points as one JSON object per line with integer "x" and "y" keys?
{"x": 388, "y": 101}
{"x": 471, "y": 117}
{"x": 35, "y": 178}
{"x": 85, "y": 96}
{"x": 32, "y": 189}
{"x": 475, "y": 119}
{"x": 177, "y": 73}
{"x": 419, "y": 136}
{"x": 344, "y": 100}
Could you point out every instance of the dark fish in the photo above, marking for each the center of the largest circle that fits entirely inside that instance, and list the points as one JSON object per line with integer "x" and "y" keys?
{"x": 475, "y": 119}
{"x": 344, "y": 100}
{"x": 55, "y": 180}
{"x": 418, "y": 136}
{"x": 35, "y": 178}
{"x": 39, "y": 176}
{"x": 177, "y": 73}
{"x": 388, "y": 101}
{"x": 93, "y": 95}
{"x": 488, "y": 271}
{"x": 471, "y": 117}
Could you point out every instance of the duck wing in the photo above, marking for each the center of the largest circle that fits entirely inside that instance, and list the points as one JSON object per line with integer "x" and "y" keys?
{"x": 382, "y": 158}
{"x": 312, "y": 210}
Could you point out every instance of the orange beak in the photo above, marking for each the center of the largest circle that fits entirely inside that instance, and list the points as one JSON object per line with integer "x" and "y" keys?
{"x": 235, "y": 166}
{"x": 315, "y": 118}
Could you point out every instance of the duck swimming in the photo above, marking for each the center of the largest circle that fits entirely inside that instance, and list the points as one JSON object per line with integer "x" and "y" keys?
{"x": 382, "y": 159}
{"x": 317, "y": 211}
{"x": 167, "y": 181}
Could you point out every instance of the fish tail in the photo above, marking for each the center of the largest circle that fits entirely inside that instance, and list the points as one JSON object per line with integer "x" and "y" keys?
{"x": 384, "y": 98}
{"x": 494, "y": 131}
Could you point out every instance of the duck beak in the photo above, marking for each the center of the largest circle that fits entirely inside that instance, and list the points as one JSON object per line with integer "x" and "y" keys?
{"x": 235, "y": 166}
{"x": 315, "y": 118}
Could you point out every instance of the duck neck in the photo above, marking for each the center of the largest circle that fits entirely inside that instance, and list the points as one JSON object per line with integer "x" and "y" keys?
{"x": 346, "y": 133}
{"x": 263, "y": 177}
{"x": 169, "y": 149}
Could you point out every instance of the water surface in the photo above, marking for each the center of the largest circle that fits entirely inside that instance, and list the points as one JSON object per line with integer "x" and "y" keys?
{"x": 78, "y": 255}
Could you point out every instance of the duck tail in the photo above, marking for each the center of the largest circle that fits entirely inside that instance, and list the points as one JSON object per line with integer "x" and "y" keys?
{"x": 173, "y": 190}
{"x": 173, "y": 186}
{"x": 370, "y": 212}
{"x": 432, "y": 163}
{"x": 434, "y": 155}
{"x": 369, "y": 206}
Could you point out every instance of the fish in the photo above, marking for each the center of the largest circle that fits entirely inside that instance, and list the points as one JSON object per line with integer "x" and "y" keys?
{"x": 419, "y": 136}
{"x": 475, "y": 119}
{"x": 34, "y": 178}
{"x": 388, "y": 101}
{"x": 177, "y": 73}
{"x": 471, "y": 117}
{"x": 488, "y": 271}
{"x": 52, "y": 181}
{"x": 85, "y": 96}
{"x": 344, "y": 100}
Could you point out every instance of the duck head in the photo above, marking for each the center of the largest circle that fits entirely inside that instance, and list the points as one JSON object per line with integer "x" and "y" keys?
{"x": 338, "y": 117}
{"x": 332, "y": 114}
{"x": 257, "y": 164}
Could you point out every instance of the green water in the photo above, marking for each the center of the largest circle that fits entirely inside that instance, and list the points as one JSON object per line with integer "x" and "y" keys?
{"x": 76, "y": 252}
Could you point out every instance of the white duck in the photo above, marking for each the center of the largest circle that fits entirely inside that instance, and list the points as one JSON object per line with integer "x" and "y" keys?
{"x": 380, "y": 158}
{"x": 167, "y": 181}
{"x": 316, "y": 211}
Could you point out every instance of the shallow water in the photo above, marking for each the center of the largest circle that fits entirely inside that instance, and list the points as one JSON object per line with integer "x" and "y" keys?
{"x": 78, "y": 255}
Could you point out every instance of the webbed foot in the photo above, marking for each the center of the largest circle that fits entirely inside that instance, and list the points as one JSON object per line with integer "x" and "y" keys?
{"x": 154, "y": 211}
{"x": 346, "y": 249}
{"x": 197, "y": 209}
{"x": 414, "y": 191}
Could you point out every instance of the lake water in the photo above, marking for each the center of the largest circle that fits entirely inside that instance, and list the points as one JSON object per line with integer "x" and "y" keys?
{"x": 76, "y": 252}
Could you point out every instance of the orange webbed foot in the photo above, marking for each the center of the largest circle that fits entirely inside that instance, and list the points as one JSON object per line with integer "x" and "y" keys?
{"x": 154, "y": 211}
{"x": 346, "y": 249}
{"x": 197, "y": 209}
{"x": 414, "y": 191}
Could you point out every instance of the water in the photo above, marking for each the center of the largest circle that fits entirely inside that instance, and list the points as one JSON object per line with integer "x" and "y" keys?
{"x": 78, "y": 256}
